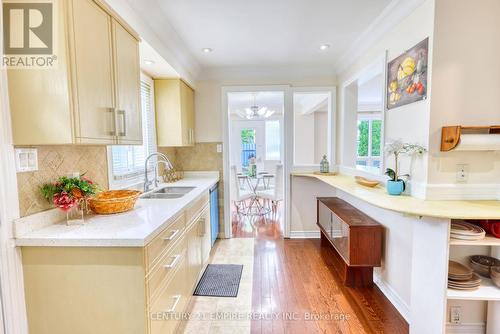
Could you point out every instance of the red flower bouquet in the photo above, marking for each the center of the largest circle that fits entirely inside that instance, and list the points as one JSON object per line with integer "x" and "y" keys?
{"x": 67, "y": 192}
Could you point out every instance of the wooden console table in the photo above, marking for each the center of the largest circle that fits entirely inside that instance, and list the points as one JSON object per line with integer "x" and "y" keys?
{"x": 356, "y": 238}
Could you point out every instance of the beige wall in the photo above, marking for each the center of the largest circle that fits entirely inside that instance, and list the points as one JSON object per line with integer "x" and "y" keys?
{"x": 208, "y": 95}
{"x": 465, "y": 85}
{"x": 56, "y": 161}
{"x": 411, "y": 122}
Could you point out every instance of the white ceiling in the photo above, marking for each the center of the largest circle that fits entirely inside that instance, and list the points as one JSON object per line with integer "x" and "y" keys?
{"x": 268, "y": 32}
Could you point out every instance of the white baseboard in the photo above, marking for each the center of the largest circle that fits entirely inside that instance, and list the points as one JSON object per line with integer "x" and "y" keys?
{"x": 474, "y": 328}
{"x": 393, "y": 297}
{"x": 305, "y": 234}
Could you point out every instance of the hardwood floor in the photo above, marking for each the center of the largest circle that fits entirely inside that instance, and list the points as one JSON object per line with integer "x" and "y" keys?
{"x": 297, "y": 287}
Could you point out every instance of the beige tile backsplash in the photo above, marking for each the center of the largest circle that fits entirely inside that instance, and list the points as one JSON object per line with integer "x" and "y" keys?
{"x": 56, "y": 161}
{"x": 200, "y": 157}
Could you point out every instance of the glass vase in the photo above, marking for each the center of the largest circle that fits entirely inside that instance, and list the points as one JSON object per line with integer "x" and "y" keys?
{"x": 74, "y": 216}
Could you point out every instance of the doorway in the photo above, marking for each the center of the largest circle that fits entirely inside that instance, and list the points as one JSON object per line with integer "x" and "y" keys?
{"x": 255, "y": 128}
{"x": 364, "y": 113}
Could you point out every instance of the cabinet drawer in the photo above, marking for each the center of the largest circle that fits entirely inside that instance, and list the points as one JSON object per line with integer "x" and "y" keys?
{"x": 167, "y": 266}
{"x": 195, "y": 208}
{"x": 164, "y": 241}
{"x": 165, "y": 311}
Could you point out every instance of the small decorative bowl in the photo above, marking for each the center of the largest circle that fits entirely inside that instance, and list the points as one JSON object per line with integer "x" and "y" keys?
{"x": 482, "y": 264}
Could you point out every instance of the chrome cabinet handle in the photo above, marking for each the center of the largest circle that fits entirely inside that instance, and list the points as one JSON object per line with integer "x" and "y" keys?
{"x": 172, "y": 236}
{"x": 173, "y": 263}
{"x": 201, "y": 221}
{"x": 176, "y": 299}
{"x": 124, "y": 124}
{"x": 113, "y": 114}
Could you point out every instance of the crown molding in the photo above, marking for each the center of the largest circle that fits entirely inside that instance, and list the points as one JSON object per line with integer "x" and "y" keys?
{"x": 263, "y": 72}
{"x": 394, "y": 13}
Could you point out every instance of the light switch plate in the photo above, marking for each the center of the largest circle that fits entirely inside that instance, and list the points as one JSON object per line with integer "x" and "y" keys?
{"x": 219, "y": 148}
{"x": 26, "y": 159}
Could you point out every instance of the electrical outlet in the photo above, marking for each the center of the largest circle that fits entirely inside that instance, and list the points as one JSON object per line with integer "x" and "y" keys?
{"x": 462, "y": 173}
{"x": 455, "y": 314}
{"x": 219, "y": 148}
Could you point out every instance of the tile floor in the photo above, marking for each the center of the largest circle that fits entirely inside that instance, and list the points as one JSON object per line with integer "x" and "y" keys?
{"x": 220, "y": 315}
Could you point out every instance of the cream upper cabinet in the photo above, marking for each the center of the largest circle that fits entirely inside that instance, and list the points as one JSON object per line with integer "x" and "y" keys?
{"x": 92, "y": 96}
{"x": 174, "y": 103}
{"x": 128, "y": 110}
{"x": 93, "y": 73}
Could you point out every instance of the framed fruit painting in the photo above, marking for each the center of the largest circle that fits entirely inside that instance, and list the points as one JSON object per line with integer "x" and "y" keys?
{"x": 407, "y": 76}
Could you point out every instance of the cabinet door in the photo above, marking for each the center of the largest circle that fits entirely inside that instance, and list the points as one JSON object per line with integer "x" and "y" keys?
{"x": 206, "y": 238}
{"x": 168, "y": 112}
{"x": 325, "y": 218}
{"x": 93, "y": 73}
{"x": 128, "y": 117}
{"x": 194, "y": 254}
{"x": 187, "y": 114}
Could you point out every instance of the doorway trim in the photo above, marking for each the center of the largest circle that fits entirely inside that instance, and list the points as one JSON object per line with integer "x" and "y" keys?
{"x": 226, "y": 152}
{"x": 11, "y": 273}
{"x": 369, "y": 69}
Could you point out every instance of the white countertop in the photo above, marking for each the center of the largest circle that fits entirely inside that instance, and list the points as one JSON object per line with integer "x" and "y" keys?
{"x": 129, "y": 229}
{"x": 410, "y": 205}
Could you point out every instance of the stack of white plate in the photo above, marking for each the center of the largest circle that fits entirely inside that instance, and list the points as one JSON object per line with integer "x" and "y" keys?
{"x": 462, "y": 278}
{"x": 466, "y": 231}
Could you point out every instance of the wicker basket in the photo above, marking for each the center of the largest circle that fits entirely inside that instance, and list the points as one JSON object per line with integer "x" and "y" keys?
{"x": 114, "y": 201}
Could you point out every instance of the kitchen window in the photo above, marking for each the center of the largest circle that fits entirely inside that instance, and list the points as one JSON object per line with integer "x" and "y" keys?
{"x": 368, "y": 141}
{"x": 126, "y": 162}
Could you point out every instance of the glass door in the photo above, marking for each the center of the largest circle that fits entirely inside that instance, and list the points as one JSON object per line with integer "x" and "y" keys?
{"x": 248, "y": 145}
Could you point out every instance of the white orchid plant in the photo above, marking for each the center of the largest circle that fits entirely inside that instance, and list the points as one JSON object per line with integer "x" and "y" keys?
{"x": 397, "y": 147}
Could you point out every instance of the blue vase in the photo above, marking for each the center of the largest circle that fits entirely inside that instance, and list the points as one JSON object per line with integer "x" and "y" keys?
{"x": 395, "y": 188}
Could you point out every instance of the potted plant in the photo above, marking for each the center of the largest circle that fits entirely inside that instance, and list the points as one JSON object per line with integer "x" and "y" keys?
{"x": 70, "y": 194}
{"x": 396, "y": 185}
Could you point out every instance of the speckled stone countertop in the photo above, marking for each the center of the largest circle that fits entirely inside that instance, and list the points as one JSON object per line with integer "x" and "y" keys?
{"x": 130, "y": 229}
{"x": 410, "y": 205}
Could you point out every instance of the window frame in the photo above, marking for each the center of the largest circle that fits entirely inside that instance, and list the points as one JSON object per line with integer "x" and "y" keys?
{"x": 369, "y": 158}
{"x": 135, "y": 178}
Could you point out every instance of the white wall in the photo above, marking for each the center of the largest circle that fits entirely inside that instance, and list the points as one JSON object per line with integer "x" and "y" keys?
{"x": 208, "y": 107}
{"x": 465, "y": 85}
{"x": 411, "y": 122}
{"x": 320, "y": 135}
{"x": 304, "y": 139}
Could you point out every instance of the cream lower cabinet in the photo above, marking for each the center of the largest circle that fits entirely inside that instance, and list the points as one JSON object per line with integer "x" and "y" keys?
{"x": 126, "y": 290}
{"x": 92, "y": 95}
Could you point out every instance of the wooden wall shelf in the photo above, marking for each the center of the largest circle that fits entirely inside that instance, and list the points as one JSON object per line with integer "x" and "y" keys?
{"x": 450, "y": 135}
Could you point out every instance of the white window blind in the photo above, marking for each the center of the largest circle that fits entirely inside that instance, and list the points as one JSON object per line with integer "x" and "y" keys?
{"x": 127, "y": 161}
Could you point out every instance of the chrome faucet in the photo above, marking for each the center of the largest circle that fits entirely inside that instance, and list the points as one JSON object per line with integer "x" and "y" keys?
{"x": 162, "y": 158}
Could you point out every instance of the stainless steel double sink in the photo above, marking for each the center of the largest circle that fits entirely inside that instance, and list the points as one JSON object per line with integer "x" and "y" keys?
{"x": 168, "y": 193}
